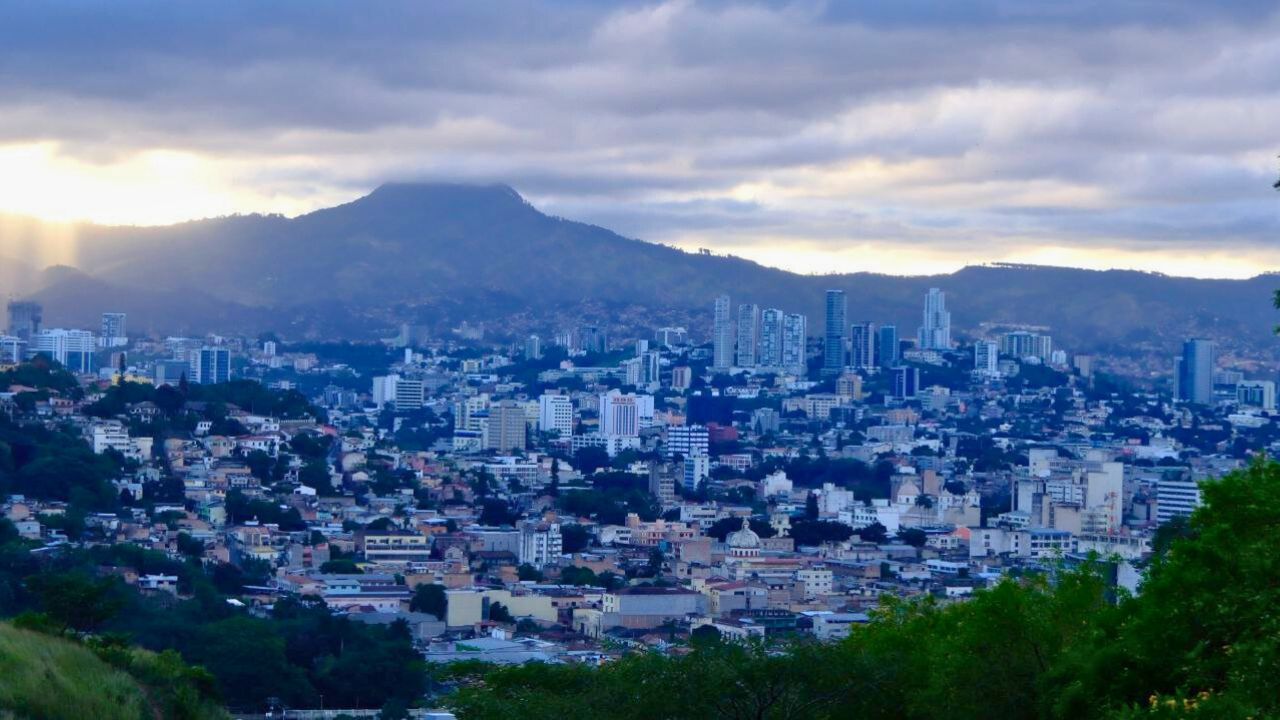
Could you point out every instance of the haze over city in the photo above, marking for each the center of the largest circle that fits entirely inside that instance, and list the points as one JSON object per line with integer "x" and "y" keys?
{"x": 812, "y": 136}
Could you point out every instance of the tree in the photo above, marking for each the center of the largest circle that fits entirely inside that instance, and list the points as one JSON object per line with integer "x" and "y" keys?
{"x": 818, "y": 532}
{"x": 76, "y": 602}
{"x": 913, "y": 536}
{"x": 574, "y": 538}
{"x": 811, "y": 506}
{"x": 431, "y": 599}
{"x": 874, "y": 533}
{"x": 499, "y": 613}
{"x": 527, "y": 572}
{"x": 590, "y": 459}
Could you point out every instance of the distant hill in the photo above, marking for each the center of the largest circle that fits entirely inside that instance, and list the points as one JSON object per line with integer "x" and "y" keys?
{"x": 479, "y": 251}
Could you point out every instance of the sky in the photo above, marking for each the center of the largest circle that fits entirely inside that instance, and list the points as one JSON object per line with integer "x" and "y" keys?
{"x": 909, "y": 137}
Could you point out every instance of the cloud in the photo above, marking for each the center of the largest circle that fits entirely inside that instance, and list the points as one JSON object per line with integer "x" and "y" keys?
{"x": 792, "y": 130}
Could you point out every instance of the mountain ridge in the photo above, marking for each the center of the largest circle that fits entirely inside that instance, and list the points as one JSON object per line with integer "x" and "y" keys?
{"x": 439, "y": 253}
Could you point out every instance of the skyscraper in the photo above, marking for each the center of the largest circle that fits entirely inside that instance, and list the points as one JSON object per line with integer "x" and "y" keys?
{"x": 771, "y": 321}
{"x": 986, "y": 358}
{"x": 862, "y": 345}
{"x": 906, "y": 382}
{"x": 722, "y": 335}
{"x": 73, "y": 349}
{"x": 210, "y": 364}
{"x": 113, "y": 330}
{"x": 887, "y": 351}
{"x": 24, "y": 319}
{"x": 506, "y": 429}
{"x": 833, "y": 348}
{"x": 1195, "y": 371}
{"x": 748, "y": 334}
{"x": 533, "y": 348}
{"x": 795, "y": 335}
{"x": 935, "y": 334}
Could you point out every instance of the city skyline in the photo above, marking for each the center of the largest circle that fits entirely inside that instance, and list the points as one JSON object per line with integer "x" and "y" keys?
{"x": 812, "y": 137}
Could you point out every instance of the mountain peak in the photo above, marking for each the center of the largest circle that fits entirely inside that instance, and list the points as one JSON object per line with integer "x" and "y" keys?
{"x": 452, "y": 192}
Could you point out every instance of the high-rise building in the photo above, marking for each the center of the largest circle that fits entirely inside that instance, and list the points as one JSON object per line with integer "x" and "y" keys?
{"x": 670, "y": 337}
{"x": 696, "y": 470}
{"x": 986, "y": 358}
{"x": 113, "y": 330}
{"x": 12, "y": 350}
{"x": 410, "y": 395}
{"x": 686, "y": 440}
{"x": 795, "y": 335}
{"x": 862, "y": 345}
{"x": 506, "y": 429}
{"x": 1257, "y": 393}
{"x": 1022, "y": 345}
{"x": 210, "y": 364}
{"x": 748, "y": 334}
{"x": 662, "y": 482}
{"x": 906, "y": 382}
{"x": 935, "y": 333}
{"x": 589, "y": 339}
{"x": 888, "y": 353}
{"x": 771, "y": 329}
{"x": 1195, "y": 372}
{"x": 555, "y": 414}
{"x": 25, "y": 318}
{"x": 1176, "y": 497}
{"x": 833, "y": 337}
{"x": 722, "y": 334}
{"x": 533, "y": 348}
{"x": 681, "y": 377}
{"x": 650, "y": 368}
{"x": 619, "y": 415}
{"x": 73, "y": 349}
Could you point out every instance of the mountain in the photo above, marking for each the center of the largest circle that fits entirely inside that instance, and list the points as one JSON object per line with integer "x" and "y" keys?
{"x": 440, "y": 253}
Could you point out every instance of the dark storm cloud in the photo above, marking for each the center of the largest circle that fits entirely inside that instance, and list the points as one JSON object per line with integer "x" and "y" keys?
{"x": 1133, "y": 124}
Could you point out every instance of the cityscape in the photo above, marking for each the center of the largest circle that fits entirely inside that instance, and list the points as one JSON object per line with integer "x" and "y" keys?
{"x": 639, "y": 359}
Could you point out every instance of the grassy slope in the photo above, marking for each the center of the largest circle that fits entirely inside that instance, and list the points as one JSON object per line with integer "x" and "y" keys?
{"x": 43, "y": 677}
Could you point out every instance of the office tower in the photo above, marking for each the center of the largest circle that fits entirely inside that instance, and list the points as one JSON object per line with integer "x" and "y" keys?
{"x": 1176, "y": 497}
{"x": 113, "y": 330}
{"x": 13, "y": 350}
{"x": 662, "y": 482}
{"x": 686, "y": 440}
{"x": 1257, "y": 393}
{"x": 588, "y": 339}
{"x": 849, "y": 386}
{"x": 25, "y": 318}
{"x": 795, "y": 335}
{"x": 748, "y": 334}
{"x": 771, "y": 329}
{"x": 619, "y": 415}
{"x": 681, "y": 377}
{"x": 555, "y": 414}
{"x": 171, "y": 372}
{"x": 632, "y": 372}
{"x": 833, "y": 347}
{"x": 935, "y": 334}
{"x": 888, "y": 353}
{"x": 533, "y": 348}
{"x": 696, "y": 470}
{"x": 1022, "y": 344}
{"x": 210, "y": 365}
{"x": 384, "y": 390}
{"x": 906, "y": 382}
{"x": 766, "y": 420}
{"x": 73, "y": 349}
{"x": 862, "y": 345}
{"x": 986, "y": 358}
{"x": 650, "y": 368}
{"x": 1195, "y": 372}
{"x": 722, "y": 335}
{"x": 670, "y": 337}
{"x": 506, "y": 429}
{"x": 410, "y": 395}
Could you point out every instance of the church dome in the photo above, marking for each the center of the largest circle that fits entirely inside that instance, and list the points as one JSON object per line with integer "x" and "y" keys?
{"x": 744, "y": 538}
